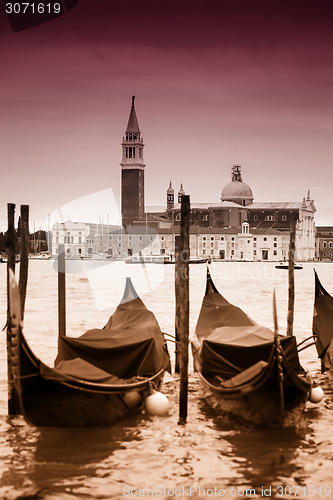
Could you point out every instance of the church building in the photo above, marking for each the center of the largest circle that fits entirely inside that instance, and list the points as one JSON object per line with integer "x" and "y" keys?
{"x": 235, "y": 227}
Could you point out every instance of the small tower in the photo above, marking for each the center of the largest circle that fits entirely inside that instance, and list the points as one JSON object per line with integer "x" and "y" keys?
{"x": 132, "y": 171}
{"x": 170, "y": 197}
{"x": 181, "y": 192}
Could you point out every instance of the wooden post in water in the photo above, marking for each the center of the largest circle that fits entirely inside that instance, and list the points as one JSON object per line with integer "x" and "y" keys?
{"x": 182, "y": 307}
{"x": 24, "y": 254}
{"x": 178, "y": 273}
{"x": 61, "y": 291}
{"x": 291, "y": 276}
{"x": 13, "y": 405}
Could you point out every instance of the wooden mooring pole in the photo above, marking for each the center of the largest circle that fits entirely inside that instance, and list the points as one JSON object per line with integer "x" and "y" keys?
{"x": 291, "y": 277}
{"x": 24, "y": 254}
{"x": 178, "y": 271}
{"x": 61, "y": 291}
{"x": 11, "y": 243}
{"x": 182, "y": 256}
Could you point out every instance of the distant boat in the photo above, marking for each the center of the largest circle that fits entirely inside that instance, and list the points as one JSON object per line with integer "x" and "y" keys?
{"x": 284, "y": 265}
{"x": 193, "y": 260}
{"x": 149, "y": 259}
{"x": 4, "y": 259}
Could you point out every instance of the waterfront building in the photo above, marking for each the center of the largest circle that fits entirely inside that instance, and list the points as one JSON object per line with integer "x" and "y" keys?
{"x": 324, "y": 243}
{"x": 73, "y": 236}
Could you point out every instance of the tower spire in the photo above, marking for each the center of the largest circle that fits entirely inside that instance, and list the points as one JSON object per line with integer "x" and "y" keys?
{"x": 133, "y": 124}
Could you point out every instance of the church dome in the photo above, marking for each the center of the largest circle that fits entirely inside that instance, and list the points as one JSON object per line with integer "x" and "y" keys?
{"x": 236, "y": 190}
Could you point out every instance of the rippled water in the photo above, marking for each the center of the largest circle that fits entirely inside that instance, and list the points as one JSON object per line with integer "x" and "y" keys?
{"x": 151, "y": 456}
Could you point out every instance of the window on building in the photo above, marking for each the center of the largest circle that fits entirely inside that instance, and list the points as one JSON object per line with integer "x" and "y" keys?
{"x": 205, "y": 217}
{"x": 255, "y": 217}
{"x": 203, "y": 243}
{"x": 265, "y": 239}
{"x": 255, "y": 239}
{"x": 284, "y": 217}
{"x": 269, "y": 217}
{"x": 275, "y": 238}
{"x": 324, "y": 244}
{"x": 232, "y": 252}
{"x": 204, "y": 251}
{"x": 212, "y": 243}
{"x": 330, "y": 244}
{"x": 275, "y": 252}
{"x": 222, "y": 238}
{"x": 177, "y": 217}
{"x": 232, "y": 238}
{"x": 275, "y": 244}
{"x": 254, "y": 252}
{"x": 212, "y": 238}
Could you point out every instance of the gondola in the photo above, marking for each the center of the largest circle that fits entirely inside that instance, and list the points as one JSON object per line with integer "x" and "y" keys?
{"x": 247, "y": 371}
{"x": 99, "y": 378}
{"x": 322, "y": 327}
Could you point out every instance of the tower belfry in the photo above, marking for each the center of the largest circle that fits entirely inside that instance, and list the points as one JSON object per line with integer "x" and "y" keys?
{"x": 132, "y": 170}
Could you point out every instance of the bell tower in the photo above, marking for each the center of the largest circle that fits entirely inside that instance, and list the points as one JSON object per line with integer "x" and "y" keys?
{"x": 170, "y": 197}
{"x": 132, "y": 171}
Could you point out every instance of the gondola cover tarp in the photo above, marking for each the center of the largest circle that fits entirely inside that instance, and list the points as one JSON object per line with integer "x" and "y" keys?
{"x": 131, "y": 344}
{"x": 230, "y": 350}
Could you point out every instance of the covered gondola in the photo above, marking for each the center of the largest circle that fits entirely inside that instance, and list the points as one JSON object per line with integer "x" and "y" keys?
{"x": 99, "y": 378}
{"x": 247, "y": 371}
{"x": 322, "y": 327}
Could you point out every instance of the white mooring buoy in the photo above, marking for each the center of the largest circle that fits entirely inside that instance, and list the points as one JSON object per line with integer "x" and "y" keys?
{"x": 157, "y": 404}
{"x": 316, "y": 394}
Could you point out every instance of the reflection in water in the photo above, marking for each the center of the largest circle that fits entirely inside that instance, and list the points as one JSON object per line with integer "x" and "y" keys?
{"x": 44, "y": 460}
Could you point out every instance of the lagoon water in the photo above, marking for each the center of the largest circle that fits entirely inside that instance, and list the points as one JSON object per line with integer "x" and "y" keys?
{"x": 152, "y": 456}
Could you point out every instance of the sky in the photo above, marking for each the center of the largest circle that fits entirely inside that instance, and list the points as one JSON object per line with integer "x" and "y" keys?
{"x": 217, "y": 83}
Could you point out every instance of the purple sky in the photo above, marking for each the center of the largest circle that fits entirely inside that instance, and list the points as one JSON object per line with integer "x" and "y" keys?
{"x": 216, "y": 82}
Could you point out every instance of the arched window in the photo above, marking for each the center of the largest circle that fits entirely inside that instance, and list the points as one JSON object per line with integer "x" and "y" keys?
{"x": 205, "y": 217}
{"x": 178, "y": 217}
{"x": 269, "y": 217}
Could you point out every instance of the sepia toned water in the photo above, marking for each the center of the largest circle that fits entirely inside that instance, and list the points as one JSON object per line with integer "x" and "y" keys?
{"x": 153, "y": 456}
